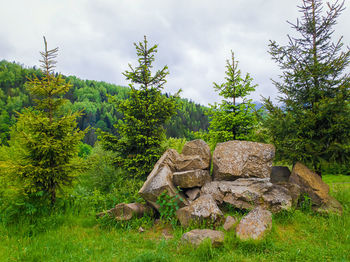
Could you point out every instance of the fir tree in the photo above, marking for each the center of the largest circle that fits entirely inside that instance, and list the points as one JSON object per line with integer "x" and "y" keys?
{"x": 48, "y": 139}
{"x": 141, "y": 132}
{"x": 313, "y": 125}
{"x": 235, "y": 118}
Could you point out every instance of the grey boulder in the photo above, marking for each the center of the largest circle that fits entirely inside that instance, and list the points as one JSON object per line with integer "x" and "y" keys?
{"x": 245, "y": 193}
{"x": 204, "y": 209}
{"x": 242, "y": 159}
{"x": 192, "y": 178}
{"x": 254, "y": 225}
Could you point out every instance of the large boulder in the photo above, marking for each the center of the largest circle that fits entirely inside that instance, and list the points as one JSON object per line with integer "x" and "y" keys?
{"x": 330, "y": 206}
{"x": 197, "y": 147}
{"x": 294, "y": 191}
{"x": 192, "y": 178}
{"x": 203, "y": 209}
{"x": 169, "y": 158}
{"x": 279, "y": 174}
{"x": 245, "y": 193}
{"x": 186, "y": 163}
{"x": 242, "y": 159}
{"x": 160, "y": 180}
{"x": 310, "y": 183}
{"x": 254, "y": 225}
{"x": 197, "y": 236}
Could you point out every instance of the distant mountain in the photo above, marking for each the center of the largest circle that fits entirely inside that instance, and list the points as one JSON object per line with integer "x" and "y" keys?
{"x": 91, "y": 97}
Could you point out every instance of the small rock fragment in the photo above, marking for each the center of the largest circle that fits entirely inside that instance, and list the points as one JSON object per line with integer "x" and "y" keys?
{"x": 229, "y": 223}
{"x": 193, "y": 193}
{"x": 197, "y": 236}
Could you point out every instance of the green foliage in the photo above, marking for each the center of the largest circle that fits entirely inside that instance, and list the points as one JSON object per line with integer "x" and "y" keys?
{"x": 233, "y": 120}
{"x": 48, "y": 140}
{"x": 313, "y": 123}
{"x": 101, "y": 185}
{"x": 141, "y": 132}
{"x": 168, "y": 206}
{"x": 190, "y": 117}
{"x": 90, "y": 97}
{"x": 84, "y": 150}
{"x": 174, "y": 143}
{"x": 305, "y": 203}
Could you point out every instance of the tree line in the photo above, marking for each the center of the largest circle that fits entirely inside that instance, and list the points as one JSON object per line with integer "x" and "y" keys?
{"x": 90, "y": 96}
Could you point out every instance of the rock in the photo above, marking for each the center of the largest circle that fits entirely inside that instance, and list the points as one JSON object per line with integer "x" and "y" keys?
{"x": 245, "y": 193}
{"x": 202, "y": 209}
{"x": 294, "y": 191}
{"x": 157, "y": 182}
{"x": 166, "y": 234}
{"x": 279, "y": 174}
{"x": 254, "y": 225}
{"x": 169, "y": 158}
{"x": 193, "y": 193}
{"x": 330, "y": 206}
{"x": 229, "y": 223}
{"x": 277, "y": 198}
{"x": 242, "y": 159}
{"x": 186, "y": 163}
{"x": 128, "y": 211}
{"x": 192, "y": 178}
{"x": 198, "y": 147}
{"x": 310, "y": 183}
{"x": 197, "y": 236}
{"x": 125, "y": 211}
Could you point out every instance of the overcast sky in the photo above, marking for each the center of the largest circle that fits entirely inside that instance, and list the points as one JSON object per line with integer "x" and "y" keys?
{"x": 95, "y": 38}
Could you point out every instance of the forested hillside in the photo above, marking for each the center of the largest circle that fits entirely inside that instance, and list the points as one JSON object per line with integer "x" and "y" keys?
{"x": 91, "y": 97}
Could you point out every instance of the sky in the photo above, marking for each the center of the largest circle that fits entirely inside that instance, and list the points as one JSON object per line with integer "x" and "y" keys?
{"x": 194, "y": 37}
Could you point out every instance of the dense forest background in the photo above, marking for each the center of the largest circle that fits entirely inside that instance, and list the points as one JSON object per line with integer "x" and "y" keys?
{"x": 92, "y": 97}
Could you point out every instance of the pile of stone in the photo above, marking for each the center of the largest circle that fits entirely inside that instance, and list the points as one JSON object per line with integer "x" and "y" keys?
{"x": 242, "y": 177}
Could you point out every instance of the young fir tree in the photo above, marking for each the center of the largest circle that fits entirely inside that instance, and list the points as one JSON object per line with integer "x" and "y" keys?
{"x": 235, "y": 118}
{"x": 141, "y": 132}
{"x": 313, "y": 125}
{"x": 48, "y": 139}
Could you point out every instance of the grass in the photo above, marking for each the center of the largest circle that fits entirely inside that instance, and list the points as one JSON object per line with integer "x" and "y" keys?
{"x": 78, "y": 236}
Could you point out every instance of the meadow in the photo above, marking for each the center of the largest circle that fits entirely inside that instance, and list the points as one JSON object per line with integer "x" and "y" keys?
{"x": 73, "y": 233}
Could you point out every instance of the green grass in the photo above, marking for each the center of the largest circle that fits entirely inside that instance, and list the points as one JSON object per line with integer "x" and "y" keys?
{"x": 78, "y": 236}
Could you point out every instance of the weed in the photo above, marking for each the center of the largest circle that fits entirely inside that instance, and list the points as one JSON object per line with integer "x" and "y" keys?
{"x": 168, "y": 206}
{"x": 305, "y": 203}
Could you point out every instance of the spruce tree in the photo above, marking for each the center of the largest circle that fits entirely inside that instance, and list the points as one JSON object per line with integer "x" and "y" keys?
{"x": 235, "y": 118}
{"x": 48, "y": 139}
{"x": 313, "y": 123}
{"x": 141, "y": 132}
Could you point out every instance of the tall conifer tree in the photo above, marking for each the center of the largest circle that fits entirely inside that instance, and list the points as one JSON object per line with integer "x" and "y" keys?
{"x": 48, "y": 138}
{"x": 140, "y": 133}
{"x": 235, "y": 118}
{"x": 313, "y": 126}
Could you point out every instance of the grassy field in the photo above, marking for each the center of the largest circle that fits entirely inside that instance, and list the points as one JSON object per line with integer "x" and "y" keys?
{"x": 77, "y": 236}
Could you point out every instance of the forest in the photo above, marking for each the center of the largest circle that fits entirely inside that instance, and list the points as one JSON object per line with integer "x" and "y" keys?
{"x": 72, "y": 148}
{"x": 91, "y": 97}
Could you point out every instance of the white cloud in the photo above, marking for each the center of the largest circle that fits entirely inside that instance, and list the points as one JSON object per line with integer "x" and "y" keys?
{"x": 195, "y": 38}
